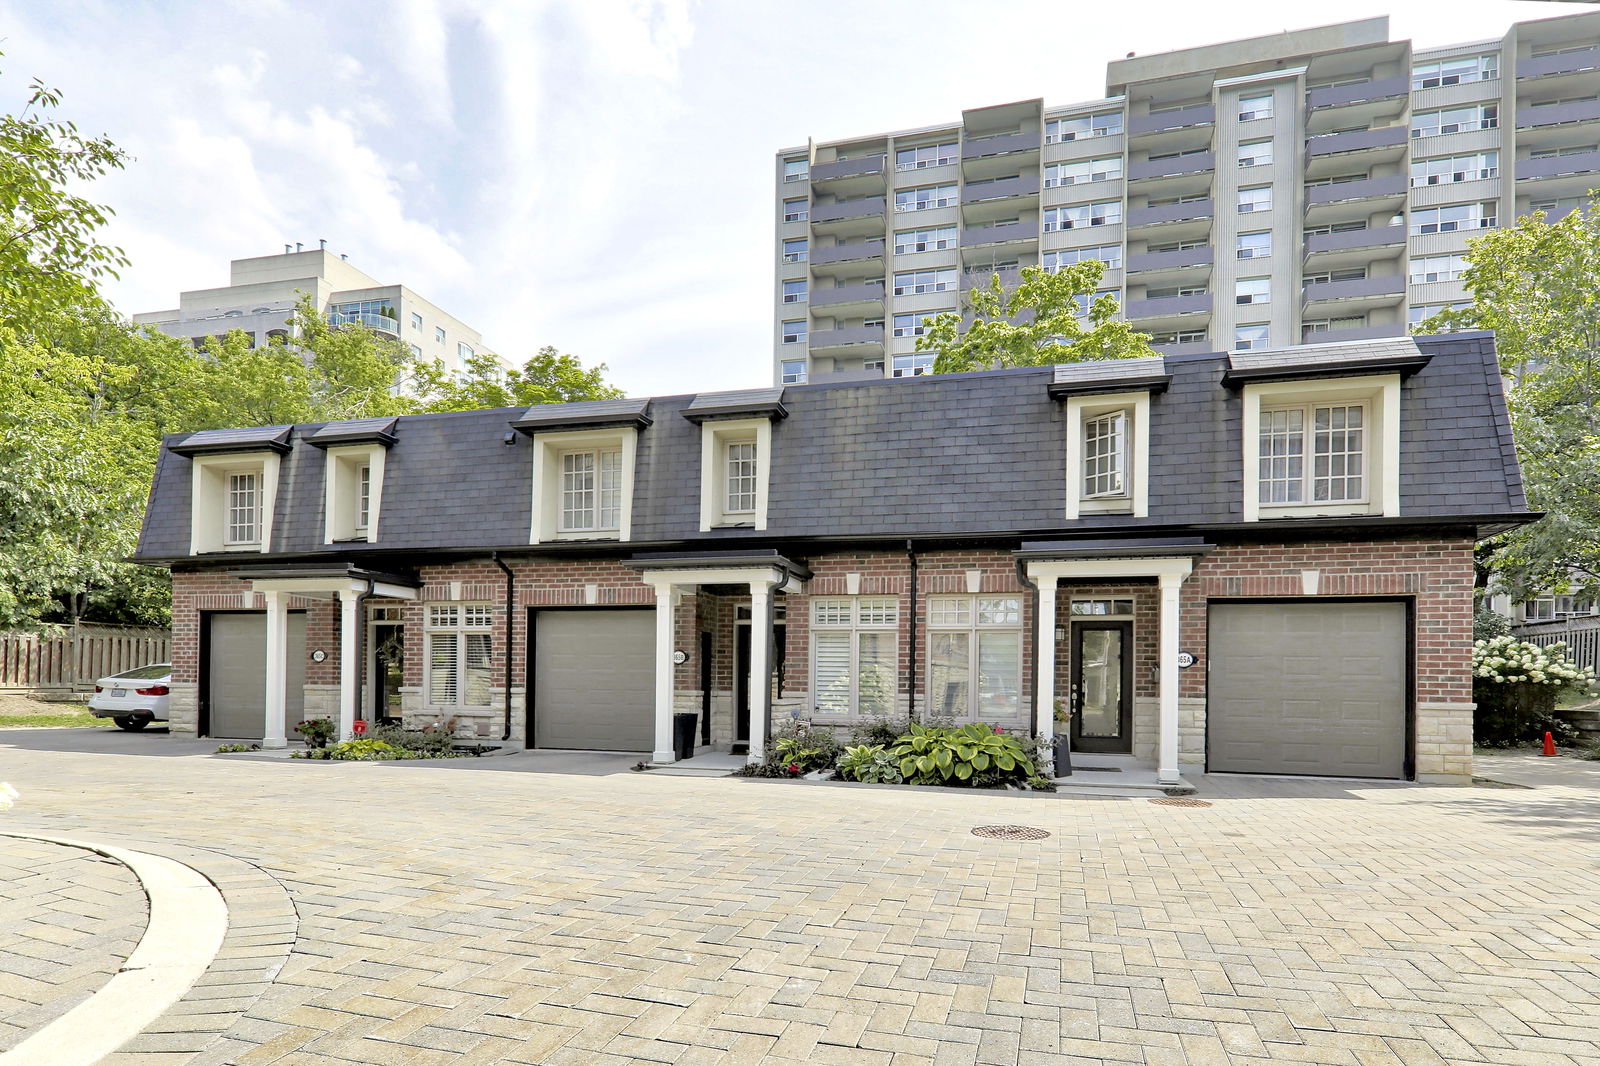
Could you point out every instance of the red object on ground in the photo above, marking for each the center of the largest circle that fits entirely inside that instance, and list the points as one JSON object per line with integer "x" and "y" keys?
{"x": 1549, "y": 744}
{"x": 358, "y": 727}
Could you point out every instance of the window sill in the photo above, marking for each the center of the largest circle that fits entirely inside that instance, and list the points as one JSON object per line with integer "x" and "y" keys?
{"x": 586, "y": 534}
{"x": 734, "y": 525}
{"x": 233, "y": 549}
{"x": 1311, "y": 510}
{"x": 350, "y": 540}
{"x": 1098, "y": 505}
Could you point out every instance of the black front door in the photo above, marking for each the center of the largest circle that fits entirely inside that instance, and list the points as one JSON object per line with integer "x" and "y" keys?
{"x": 741, "y": 687}
{"x": 1102, "y": 687}
{"x": 389, "y": 673}
{"x": 706, "y": 642}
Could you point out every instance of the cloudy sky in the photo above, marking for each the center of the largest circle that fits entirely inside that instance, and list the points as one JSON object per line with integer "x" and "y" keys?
{"x": 592, "y": 174}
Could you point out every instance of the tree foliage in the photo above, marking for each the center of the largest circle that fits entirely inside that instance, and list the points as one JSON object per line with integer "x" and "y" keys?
{"x": 551, "y": 376}
{"x": 1040, "y": 321}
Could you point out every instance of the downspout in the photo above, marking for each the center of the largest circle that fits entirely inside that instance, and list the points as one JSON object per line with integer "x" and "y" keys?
{"x": 511, "y": 582}
{"x": 911, "y": 705}
{"x": 361, "y": 646}
{"x": 1033, "y": 647}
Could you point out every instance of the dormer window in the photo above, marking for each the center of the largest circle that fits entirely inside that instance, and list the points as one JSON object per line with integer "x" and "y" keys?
{"x": 735, "y": 459}
{"x": 1313, "y": 454}
{"x": 1108, "y": 448}
{"x": 591, "y": 490}
{"x": 233, "y": 487}
{"x": 353, "y": 500}
{"x": 1322, "y": 448}
{"x": 583, "y": 468}
{"x": 741, "y": 478}
{"x": 1105, "y": 459}
{"x": 363, "y": 499}
{"x": 244, "y": 509}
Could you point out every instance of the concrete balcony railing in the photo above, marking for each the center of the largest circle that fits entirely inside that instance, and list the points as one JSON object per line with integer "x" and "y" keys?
{"x": 978, "y": 147}
{"x": 1150, "y": 216}
{"x": 1021, "y": 185}
{"x": 1365, "y": 189}
{"x": 1183, "y": 348}
{"x": 1168, "y": 306}
{"x": 1358, "y": 141}
{"x": 841, "y": 210}
{"x": 979, "y": 279}
{"x": 1011, "y": 231}
{"x": 846, "y": 294}
{"x": 1365, "y": 92}
{"x": 1386, "y": 285}
{"x": 844, "y": 253}
{"x": 370, "y": 319}
{"x": 1371, "y": 237}
{"x": 1182, "y": 257}
{"x": 1200, "y": 115}
{"x": 1565, "y": 63}
{"x": 849, "y": 337}
{"x": 1558, "y": 166}
{"x": 1197, "y": 163}
{"x": 1353, "y": 333}
{"x": 1529, "y": 118}
{"x": 847, "y": 168}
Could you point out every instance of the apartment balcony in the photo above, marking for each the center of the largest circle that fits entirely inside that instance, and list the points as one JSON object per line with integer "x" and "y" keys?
{"x": 1393, "y": 187}
{"x": 1001, "y": 144}
{"x": 1532, "y": 118}
{"x": 1168, "y": 307}
{"x": 1566, "y": 63}
{"x": 369, "y": 319}
{"x": 978, "y": 236}
{"x": 1396, "y": 88}
{"x": 1022, "y": 185}
{"x": 1349, "y": 240}
{"x": 1354, "y": 333}
{"x": 1558, "y": 176}
{"x": 849, "y": 218}
{"x": 1198, "y": 163}
{"x": 1150, "y": 262}
{"x": 979, "y": 279}
{"x": 843, "y": 297}
{"x": 1166, "y": 121}
{"x": 1163, "y": 214}
{"x": 1379, "y": 143}
{"x": 1354, "y": 297}
{"x": 827, "y": 260}
{"x": 851, "y": 177}
{"x": 848, "y": 342}
{"x": 1183, "y": 348}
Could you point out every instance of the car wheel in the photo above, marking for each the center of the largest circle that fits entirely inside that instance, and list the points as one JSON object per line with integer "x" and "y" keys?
{"x": 132, "y": 725}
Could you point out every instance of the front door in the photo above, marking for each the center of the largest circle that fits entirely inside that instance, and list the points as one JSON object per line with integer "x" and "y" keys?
{"x": 741, "y": 687}
{"x": 389, "y": 670}
{"x": 1102, "y": 687}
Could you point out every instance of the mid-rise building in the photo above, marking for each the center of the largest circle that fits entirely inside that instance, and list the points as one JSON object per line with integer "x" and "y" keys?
{"x": 262, "y": 292}
{"x": 1312, "y": 186}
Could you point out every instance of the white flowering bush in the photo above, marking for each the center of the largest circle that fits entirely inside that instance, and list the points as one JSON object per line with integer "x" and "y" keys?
{"x": 1515, "y": 685}
{"x": 1507, "y": 659}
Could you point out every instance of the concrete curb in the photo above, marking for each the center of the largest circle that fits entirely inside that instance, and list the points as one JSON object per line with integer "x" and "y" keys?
{"x": 188, "y": 920}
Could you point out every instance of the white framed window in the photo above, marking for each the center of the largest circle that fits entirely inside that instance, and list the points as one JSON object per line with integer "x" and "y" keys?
{"x": 1417, "y": 314}
{"x": 796, "y": 249}
{"x": 1455, "y": 71}
{"x": 796, "y": 170}
{"x": 416, "y": 321}
{"x": 1098, "y": 608}
{"x": 1178, "y": 336}
{"x": 353, "y": 492}
{"x": 591, "y": 491}
{"x": 975, "y": 657}
{"x": 1326, "y": 447}
{"x": 798, "y": 210}
{"x": 1076, "y": 128}
{"x": 1057, "y": 175}
{"x": 460, "y": 655}
{"x": 1450, "y": 218}
{"x": 1255, "y": 245}
{"x": 1311, "y": 327}
{"x": 926, "y": 155}
{"x": 915, "y": 323}
{"x": 794, "y": 292}
{"x": 1166, "y": 292}
{"x": 1449, "y": 169}
{"x": 1254, "y": 106}
{"x": 243, "y": 524}
{"x": 464, "y": 351}
{"x": 1255, "y": 153}
{"x": 1109, "y": 254}
{"x": 438, "y": 334}
{"x": 926, "y": 197}
{"x": 794, "y": 331}
{"x": 231, "y": 502}
{"x": 1077, "y": 216}
{"x": 928, "y": 239}
{"x": 1108, "y": 454}
{"x": 583, "y": 484}
{"x": 734, "y": 463}
{"x": 1313, "y": 453}
{"x": 793, "y": 372}
{"x": 1250, "y": 337}
{"x": 912, "y": 365}
{"x": 1429, "y": 268}
{"x": 1252, "y": 291}
{"x": 1455, "y": 120}
{"x": 1255, "y": 198}
{"x": 363, "y": 498}
{"x": 855, "y": 655}
{"x": 1105, "y": 455}
{"x": 913, "y": 282}
{"x": 739, "y": 479}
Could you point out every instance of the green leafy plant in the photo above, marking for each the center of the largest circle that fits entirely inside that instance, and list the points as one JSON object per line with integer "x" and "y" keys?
{"x": 800, "y": 748}
{"x": 317, "y": 731}
{"x": 883, "y": 731}
{"x": 975, "y": 754}
{"x": 228, "y": 749}
{"x": 871, "y": 763}
{"x": 426, "y": 743}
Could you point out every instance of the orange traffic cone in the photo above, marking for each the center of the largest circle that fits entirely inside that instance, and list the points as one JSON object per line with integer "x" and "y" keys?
{"x": 1549, "y": 745}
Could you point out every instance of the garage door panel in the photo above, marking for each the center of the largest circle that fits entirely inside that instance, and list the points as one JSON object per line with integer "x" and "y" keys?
{"x": 594, "y": 680}
{"x": 236, "y": 672}
{"x": 1307, "y": 688}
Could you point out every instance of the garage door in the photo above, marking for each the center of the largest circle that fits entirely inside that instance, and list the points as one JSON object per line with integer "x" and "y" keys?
{"x": 236, "y": 672}
{"x": 594, "y": 680}
{"x": 1307, "y": 688}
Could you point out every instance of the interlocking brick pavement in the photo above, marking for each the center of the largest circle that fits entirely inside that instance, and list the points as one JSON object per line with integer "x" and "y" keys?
{"x": 450, "y": 916}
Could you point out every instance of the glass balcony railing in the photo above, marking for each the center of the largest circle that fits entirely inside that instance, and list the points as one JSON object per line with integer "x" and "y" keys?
{"x": 370, "y": 319}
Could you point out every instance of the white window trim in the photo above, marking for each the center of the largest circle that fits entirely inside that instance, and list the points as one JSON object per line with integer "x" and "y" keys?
{"x": 1082, "y": 408}
{"x": 208, "y": 496}
{"x": 547, "y": 449}
{"x": 715, "y": 435}
{"x": 854, "y": 627}
{"x": 341, "y": 497}
{"x": 457, "y": 633}
{"x": 1380, "y": 393}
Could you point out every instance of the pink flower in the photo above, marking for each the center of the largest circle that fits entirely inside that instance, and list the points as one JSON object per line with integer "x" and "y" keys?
{"x": 794, "y": 768}
{"x": 997, "y": 729}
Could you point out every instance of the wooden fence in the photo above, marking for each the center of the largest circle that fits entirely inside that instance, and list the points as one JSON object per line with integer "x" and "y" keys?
{"x": 1581, "y": 636}
{"x": 79, "y": 657}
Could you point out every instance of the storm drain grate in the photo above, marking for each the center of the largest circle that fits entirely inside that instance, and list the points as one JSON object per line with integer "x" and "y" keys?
{"x": 1179, "y": 801}
{"x": 1009, "y": 832}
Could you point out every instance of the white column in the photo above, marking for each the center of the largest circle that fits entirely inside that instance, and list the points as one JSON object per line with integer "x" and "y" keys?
{"x": 275, "y": 731}
{"x": 666, "y": 616}
{"x": 1044, "y": 679}
{"x": 760, "y": 667}
{"x": 1167, "y": 723}
{"x": 349, "y": 666}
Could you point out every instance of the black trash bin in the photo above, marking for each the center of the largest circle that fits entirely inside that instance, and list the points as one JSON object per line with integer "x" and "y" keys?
{"x": 683, "y": 734}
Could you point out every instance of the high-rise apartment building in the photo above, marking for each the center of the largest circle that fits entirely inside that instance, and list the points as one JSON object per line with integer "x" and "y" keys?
{"x": 1315, "y": 185}
{"x": 262, "y": 291}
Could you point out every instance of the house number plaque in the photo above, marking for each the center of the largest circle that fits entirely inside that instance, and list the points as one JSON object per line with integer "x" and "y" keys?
{"x": 1186, "y": 659}
{"x": 680, "y": 656}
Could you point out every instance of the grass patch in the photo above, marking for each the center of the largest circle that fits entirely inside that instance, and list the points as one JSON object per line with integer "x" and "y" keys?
{"x": 36, "y": 714}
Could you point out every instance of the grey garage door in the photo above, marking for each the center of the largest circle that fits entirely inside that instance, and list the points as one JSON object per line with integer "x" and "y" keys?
{"x": 594, "y": 680}
{"x": 236, "y": 673}
{"x": 1307, "y": 688}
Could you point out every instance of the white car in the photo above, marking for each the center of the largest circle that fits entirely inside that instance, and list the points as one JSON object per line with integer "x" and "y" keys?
{"x": 134, "y": 698}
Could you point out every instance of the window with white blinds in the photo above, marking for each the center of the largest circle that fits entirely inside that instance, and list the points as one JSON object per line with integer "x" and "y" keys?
{"x": 460, "y": 654}
{"x": 975, "y": 657}
{"x": 854, "y": 646}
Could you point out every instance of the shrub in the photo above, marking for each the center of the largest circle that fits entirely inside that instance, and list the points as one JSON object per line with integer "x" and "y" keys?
{"x": 317, "y": 731}
{"x": 1488, "y": 623}
{"x": 871, "y": 763}
{"x": 1516, "y": 685}
{"x": 426, "y": 743}
{"x": 884, "y": 731}
{"x": 798, "y": 743}
{"x": 975, "y": 755}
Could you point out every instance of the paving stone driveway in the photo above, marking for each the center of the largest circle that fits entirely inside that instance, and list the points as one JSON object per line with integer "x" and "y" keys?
{"x": 461, "y": 917}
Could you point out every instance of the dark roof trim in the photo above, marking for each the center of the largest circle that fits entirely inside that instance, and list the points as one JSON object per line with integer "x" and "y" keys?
{"x": 356, "y": 431}
{"x": 1112, "y": 375}
{"x": 748, "y": 403}
{"x": 754, "y": 559}
{"x": 1404, "y": 367}
{"x": 591, "y": 414}
{"x": 222, "y": 441}
{"x": 1386, "y": 355}
{"x": 1152, "y": 383}
{"x": 357, "y": 572}
{"x": 1118, "y": 547}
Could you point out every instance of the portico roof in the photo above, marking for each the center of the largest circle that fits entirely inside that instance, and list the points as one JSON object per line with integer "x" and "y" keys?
{"x": 1113, "y": 547}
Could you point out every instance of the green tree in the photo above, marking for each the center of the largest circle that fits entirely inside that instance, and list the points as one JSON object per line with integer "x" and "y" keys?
{"x": 1038, "y": 322}
{"x": 1537, "y": 286}
{"x": 551, "y": 376}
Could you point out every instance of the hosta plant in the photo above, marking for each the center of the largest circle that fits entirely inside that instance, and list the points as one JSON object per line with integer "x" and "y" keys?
{"x": 871, "y": 763}
{"x": 939, "y": 755}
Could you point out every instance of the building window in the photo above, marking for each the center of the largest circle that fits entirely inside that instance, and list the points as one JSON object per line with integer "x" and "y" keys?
{"x": 1455, "y": 71}
{"x": 739, "y": 477}
{"x": 925, "y": 198}
{"x": 934, "y": 239}
{"x": 244, "y": 508}
{"x": 1428, "y": 268}
{"x": 1255, "y": 198}
{"x": 1417, "y": 314}
{"x": 1081, "y": 215}
{"x": 1337, "y": 454}
{"x": 1446, "y": 170}
{"x": 1455, "y": 120}
{"x": 1108, "y": 450}
{"x": 794, "y": 331}
{"x": 1255, "y": 153}
{"x": 1105, "y": 455}
{"x": 796, "y": 210}
{"x": 854, "y": 652}
{"x": 913, "y": 365}
{"x": 794, "y": 292}
{"x": 438, "y": 334}
{"x": 1109, "y": 254}
{"x": 460, "y": 655}
{"x": 796, "y": 250}
{"x": 915, "y": 323}
{"x": 363, "y": 498}
{"x": 796, "y": 170}
{"x": 416, "y": 351}
{"x": 793, "y": 371}
{"x": 1322, "y": 277}
{"x": 1178, "y": 336}
{"x": 1252, "y": 291}
{"x": 1311, "y": 327}
{"x": 1057, "y": 175}
{"x": 975, "y": 657}
{"x": 591, "y": 491}
{"x": 1249, "y": 338}
{"x": 1060, "y": 130}
{"x": 1258, "y": 105}
{"x": 1452, "y": 217}
{"x": 464, "y": 351}
{"x": 927, "y": 155}
{"x": 1257, "y": 245}
{"x": 416, "y": 321}
{"x": 913, "y": 282}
